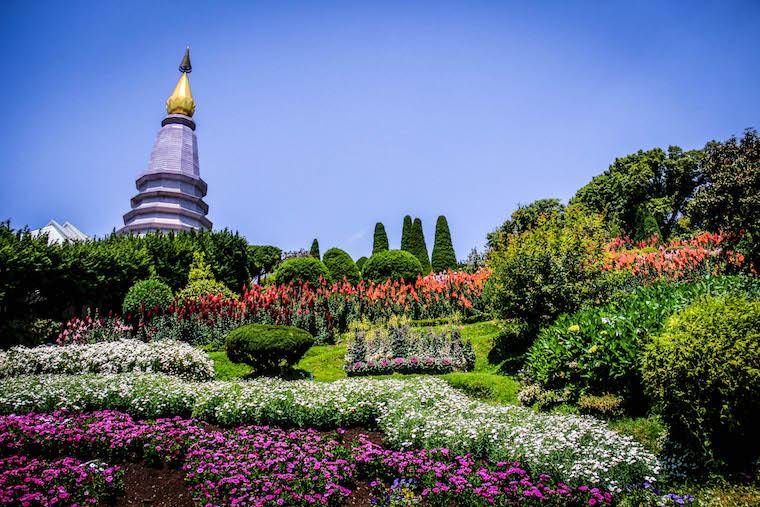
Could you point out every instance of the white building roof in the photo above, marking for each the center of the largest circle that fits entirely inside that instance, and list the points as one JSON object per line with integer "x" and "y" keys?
{"x": 58, "y": 233}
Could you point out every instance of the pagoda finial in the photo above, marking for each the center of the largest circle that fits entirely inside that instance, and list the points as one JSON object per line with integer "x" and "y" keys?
{"x": 185, "y": 65}
{"x": 181, "y": 100}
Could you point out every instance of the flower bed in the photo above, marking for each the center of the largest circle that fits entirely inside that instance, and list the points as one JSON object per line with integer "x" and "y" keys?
{"x": 28, "y": 481}
{"x": 170, "y": 357}
{"x": 415, "y": 413}
{"x": 400, "y": 348}
{"x": 257, "y": 465}
{"x": 322, "y": 310}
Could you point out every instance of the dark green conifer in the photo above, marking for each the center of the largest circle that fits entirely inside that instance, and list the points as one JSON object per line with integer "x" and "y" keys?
{"x": 444, "y": 257}
{"x": 380, "y": 243}
{"x": 418, "y": 246}
{"x": 314, "y": 252}
{"x": 406, "y": 234}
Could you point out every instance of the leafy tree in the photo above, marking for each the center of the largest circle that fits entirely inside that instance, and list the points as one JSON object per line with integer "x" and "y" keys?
{"x": 380, "y": 243}
{"x": 262, "y": 259}
{"x": 444, "y": 257}
{"x": 662, "y": 183}
{"x": 418, "y": 248}
{"x": 525, "y": 217}
{"x": 314, "y": 251}
{"x": 340, "y": 265}
{"x": 552, "y": 268}
{"x": 406, "y": 234}
{"x": 730, "y": 199}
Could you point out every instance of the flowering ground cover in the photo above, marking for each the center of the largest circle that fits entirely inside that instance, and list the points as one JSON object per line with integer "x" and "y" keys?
{"x": 124, "y": 355}
{"x": 413, "y": 413}
{"x": 258, "y": 465}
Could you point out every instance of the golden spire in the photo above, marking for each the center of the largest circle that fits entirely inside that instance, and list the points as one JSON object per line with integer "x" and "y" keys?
{"x": 181, "y": 100}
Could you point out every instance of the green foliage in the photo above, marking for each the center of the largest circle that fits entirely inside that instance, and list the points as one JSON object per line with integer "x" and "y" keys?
{"x": 406, "y": 234}
{"x": 417, "y": 246}
{"x": 267, "y": 348}
{"x": 730, "y": 199}
{"x": 380, "y": 241}
{"x": 393, "y": 264}
{"x": 53, "y": 281}
{"x": 340, "y": 265}
{"x": 301, "y": 269}
{"x": 444, "y": 257}
{"x": 262, "y": 259}
{"x": 554, "y": 267}
{"x": 645, "y": 226}
{"x": 663, "y": 183}
{"x": 605, "y": 406}
{"x": 485, "y": 386}
{"x": 360, "y": 263}
{"x": 525, "y": 217}
{"x": 201, "y": 282}
{"x": 146, "y": 296}
{"x": 598, "y": 350}
{"x": 703, "y": 373}
{"x": 314, "y": 250}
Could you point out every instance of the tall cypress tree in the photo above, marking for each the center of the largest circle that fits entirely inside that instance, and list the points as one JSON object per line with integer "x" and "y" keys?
{"x": 314, "y": 252}
{"x": 418, "y": 246}
{"x": 444, "y": 257}
{"x": 380, "y": 243}
{"x": 406, "y": 234}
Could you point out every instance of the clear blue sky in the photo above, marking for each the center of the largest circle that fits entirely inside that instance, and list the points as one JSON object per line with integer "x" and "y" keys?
{"x": 318, "y": 119}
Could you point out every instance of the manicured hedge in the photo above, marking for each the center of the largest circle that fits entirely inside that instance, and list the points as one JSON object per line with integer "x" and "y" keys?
{"x": 340, "y": 265}
{"x": 301, "y": 269}
{"x": 267, "y": 348}
{"x": 393, "y": 264}
{"x": 146, "y": 296}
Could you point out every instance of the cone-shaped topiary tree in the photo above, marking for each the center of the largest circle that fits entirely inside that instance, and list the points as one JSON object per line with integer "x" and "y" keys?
{"x": 380, "y": 243}
{"x": 406, "y": 234}
{"x": 444, "y": 257}
{"x": 314, "y": 251}
{"x": 418, "y": 247}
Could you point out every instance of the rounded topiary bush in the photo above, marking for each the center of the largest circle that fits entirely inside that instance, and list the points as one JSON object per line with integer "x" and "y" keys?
{"x": 360, "y": 263}
{"x": 340, "y": 265}
{"x": 267, "y": 348}
{"x": 393, "y": 264}
{"x": 146, "y": 295}
{"x": 703, "y": 374}
{"x": 301, "y": 269}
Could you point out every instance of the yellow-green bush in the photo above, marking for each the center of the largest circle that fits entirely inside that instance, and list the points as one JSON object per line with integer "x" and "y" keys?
{"x": 703, "y": 374}
{"x": 267, "y": 348}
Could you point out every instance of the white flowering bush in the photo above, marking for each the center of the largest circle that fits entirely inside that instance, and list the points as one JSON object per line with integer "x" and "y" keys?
{"x": 126, "y": 355}
{"x": 420, "y": 412}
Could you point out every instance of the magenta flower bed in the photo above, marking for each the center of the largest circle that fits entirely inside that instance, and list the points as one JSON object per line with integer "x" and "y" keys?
{"x": 28, "y": 481}
{"x": 260, "y": 465}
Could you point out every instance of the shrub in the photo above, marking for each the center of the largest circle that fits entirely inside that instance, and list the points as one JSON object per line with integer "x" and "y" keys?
{"x": 393, "y": 264}
{"x": 267, "y": 348}
{"x": 360, "y": 263}
{"x": 606, "y": 405}
{"x": 146, "y": 296}
{"x": 598, "y": 350}
{"x": 703, "y": 374}
{"x": 340, "y": 265}
{"x": 314, "y": 250}
{"x": 554, "y": 267}
{"x": 301, "y": 269}
{"x": 406, "y": 234}
{"x": 201, "y": 282}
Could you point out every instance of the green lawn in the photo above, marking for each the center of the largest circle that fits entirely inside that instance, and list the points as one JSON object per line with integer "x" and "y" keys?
{"x": 325, "y": 363}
